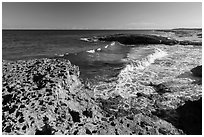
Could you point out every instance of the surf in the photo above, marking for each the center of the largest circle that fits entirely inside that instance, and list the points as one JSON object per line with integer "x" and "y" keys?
{"x": 126, "y": 83}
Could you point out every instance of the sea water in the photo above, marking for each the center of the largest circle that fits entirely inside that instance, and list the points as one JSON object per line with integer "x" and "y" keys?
{"x": 97, "y": 60}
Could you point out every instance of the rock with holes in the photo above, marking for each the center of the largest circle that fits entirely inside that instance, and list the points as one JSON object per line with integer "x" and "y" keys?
{"x": 43, "y": 96}
{"x": 46, "y": 97}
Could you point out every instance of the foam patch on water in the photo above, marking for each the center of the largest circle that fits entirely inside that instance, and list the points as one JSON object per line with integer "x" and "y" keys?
{"x": 127, "y": 75}
{"x": 172, "y": 69}
{"x": 85, "y": 39}
{"x": 142, "y": 62}
{"x": 91, "y": 51}
{"x": 89, "y": 39}
{"x": 134, "y": 67}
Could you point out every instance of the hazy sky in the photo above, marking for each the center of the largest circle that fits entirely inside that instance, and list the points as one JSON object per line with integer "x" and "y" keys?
{"x": 101, "y": 15}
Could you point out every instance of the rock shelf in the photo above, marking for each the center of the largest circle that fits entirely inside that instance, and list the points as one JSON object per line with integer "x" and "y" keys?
{"x": 46, "y": 97}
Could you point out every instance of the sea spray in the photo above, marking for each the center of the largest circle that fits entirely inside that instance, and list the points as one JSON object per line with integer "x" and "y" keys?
{"x": 138, "y": 64}
{"x": 91, "y": 51}
{"x": 127, "y": 83}
{"x": 133, "y": 69}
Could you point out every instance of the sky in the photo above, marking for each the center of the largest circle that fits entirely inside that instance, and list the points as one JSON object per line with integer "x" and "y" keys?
{"x": 105, "y": 15}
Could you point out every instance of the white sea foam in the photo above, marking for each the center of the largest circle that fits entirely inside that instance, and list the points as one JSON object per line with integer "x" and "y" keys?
{"x": 85, "y": 39}
{"x": 137, "y": 63}
{"x": 95, "y": 40}
{"x": 89, "y": 39}
{"x": 98, "y": 49}
{"x": 106, "y": 46}
{"x": 61, "y": 55}
{"x": 112, "y": 44}
{"x": 91, "y": 51}
{"x": 133, "y": 69}
{"x": 128, "y": 83}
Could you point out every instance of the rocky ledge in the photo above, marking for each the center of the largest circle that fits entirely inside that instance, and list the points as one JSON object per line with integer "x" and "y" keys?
{"x": 131, "y": 39}
{"x": 46, "y": 97}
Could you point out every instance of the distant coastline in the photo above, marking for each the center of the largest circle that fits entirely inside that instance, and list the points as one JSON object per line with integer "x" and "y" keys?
{"x": 51, "y": 29}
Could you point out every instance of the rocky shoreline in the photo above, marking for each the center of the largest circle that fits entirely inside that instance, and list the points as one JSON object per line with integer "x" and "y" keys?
{"x": 130, "y": 39}
{"x": 45, "y": 96}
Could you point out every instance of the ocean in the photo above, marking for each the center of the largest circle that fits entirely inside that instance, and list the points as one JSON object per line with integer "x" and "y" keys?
{"x": 143, "y": 76}
{"x": 72, "y": 45}
{"x": 97, "y": 60}
{"x": 29, "y": 44}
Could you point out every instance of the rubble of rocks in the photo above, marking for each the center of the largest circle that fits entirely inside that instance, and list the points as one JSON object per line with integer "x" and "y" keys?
{"x": 46, "y": 97}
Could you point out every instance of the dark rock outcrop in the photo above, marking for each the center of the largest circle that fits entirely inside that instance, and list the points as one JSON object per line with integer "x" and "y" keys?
{"x": 187, "y": 42}
{"x": 139, "y": 39}
{"x": 161, "y": 88}
{"x": 134, "y": 39}
{"x": 197, "y": 71}
{"x": 188, "y": 117}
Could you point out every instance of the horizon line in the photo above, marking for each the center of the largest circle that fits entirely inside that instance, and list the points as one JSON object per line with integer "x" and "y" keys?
{"x": 101, "y": 28}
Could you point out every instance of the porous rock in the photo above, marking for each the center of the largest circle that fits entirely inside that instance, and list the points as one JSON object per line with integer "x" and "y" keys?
{"x": 45, "y": 96}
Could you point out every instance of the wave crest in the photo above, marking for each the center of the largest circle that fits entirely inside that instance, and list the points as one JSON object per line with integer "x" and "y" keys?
{"x": 129, "y": 81}
{"x": 128, "y": 75}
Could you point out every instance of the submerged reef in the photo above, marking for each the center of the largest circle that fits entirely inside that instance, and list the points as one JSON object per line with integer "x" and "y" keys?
{"x": 46, "y": 97}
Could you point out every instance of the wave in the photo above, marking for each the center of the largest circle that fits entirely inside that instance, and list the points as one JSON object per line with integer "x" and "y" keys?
{"x": 134, "y": 68}
{"x": 89, "y": 39}
{"x": 113, "y": 46}
{"x": 98, "y": 49}
{"x": 85, "y": 39}
{"x": 59, "y": 55}
{"x": 106, "y": 46}
{"x": 140, "y": 62}
{"x": 91, "y": 51}
{"x": 128, "y": 81}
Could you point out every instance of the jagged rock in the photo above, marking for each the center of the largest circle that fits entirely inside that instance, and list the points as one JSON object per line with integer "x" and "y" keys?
{"x": 161, "y": 88}
{"x": 45, "y": 96}
{"x": 187, "y": 117}
{"x": 197, "y": 71}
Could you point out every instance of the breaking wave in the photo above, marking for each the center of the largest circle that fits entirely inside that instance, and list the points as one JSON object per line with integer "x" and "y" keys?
{"x": 91, "y": 51}
{"x": 127, "y": 83}
{"x": 134, "y": 68}
{"x": 89, "y": 39}
{"x": 136, "y": 62}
